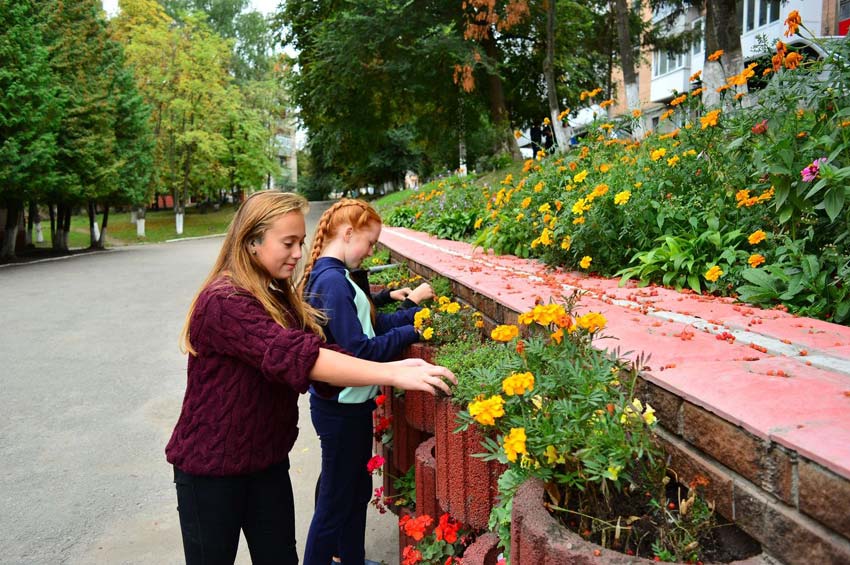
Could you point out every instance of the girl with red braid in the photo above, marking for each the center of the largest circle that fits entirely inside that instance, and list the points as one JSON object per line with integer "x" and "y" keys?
{"x": 345, "y": 236}
{"x": 254, "y": 346}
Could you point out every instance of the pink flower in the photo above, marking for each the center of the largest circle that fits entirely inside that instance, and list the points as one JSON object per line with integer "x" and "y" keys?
{"x": 810, "y": 173}
{"x": 376, "y": 462}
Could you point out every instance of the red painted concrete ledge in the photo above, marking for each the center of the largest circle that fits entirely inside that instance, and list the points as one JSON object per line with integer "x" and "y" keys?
{"x": 783, "y": 378}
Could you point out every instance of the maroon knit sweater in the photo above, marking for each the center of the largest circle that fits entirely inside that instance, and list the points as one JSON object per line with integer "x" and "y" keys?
{"x": 240, "y": 411}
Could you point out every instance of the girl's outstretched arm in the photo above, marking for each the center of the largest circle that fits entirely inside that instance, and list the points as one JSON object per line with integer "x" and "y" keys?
{"x": 343, "y": 370}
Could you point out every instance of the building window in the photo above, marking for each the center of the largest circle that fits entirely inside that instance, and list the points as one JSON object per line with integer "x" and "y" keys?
{"x": 698, "y": 45}
{"x": 753, "y": 14}
{"x": 664, "y": 62}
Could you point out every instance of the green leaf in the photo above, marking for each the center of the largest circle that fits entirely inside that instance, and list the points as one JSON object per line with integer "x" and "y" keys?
{"x": 760, "y": 278}
{"x": 816, "y": 188}
{"x": 693, "y": 282}
{"x": 834, "y": 202}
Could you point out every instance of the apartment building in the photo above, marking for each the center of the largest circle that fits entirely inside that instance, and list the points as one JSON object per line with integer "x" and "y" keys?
{"x": 661, "y": 74}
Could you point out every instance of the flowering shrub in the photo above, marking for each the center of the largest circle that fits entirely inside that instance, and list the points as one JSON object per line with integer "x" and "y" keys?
{"x": 447, "y": 321}
{"x": 442, "y": 546}
{"x": 677, "y": 206}
{"x": 555, "y": 407}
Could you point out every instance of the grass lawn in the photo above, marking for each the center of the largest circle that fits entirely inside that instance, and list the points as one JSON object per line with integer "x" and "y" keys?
{"x": 159, "y": 226}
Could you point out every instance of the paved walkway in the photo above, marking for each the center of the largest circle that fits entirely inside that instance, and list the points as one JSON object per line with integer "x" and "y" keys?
{"x": 783, "y": 378}
{"x": 92, "y": 383}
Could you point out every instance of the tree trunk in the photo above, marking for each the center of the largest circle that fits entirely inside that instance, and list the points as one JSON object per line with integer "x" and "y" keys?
{"x": 721, "y": 32}
{"x": 52, "y": 213}
{"x": 627, "y": 60}
{"x": 94, "y": 233}
{"x": 562, "y": 134}
{"x": 32, "y": 214}
{"x": 461, "y": 143}
{"x": 13, "y": 213}
{"x": 498, "y": 108}
{"x": 63, "y": 226}
{"x": 101, "y": 241}
{"x": 140, "y": 221}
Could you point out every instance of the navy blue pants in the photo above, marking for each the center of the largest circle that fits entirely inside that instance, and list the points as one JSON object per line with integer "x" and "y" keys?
{"x": 339, "y": 522}
{"x": 214, "y": 509}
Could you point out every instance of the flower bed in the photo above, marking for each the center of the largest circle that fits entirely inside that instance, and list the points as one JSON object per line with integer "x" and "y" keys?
{"x": 748, "y": 201}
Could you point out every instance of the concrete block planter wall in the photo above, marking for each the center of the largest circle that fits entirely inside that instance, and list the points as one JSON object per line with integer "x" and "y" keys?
{"x": 466, "y": 486}
{"x": 485, "y": 550}
{"x": 426, "y": 480}
{"x": 419, "y": 406}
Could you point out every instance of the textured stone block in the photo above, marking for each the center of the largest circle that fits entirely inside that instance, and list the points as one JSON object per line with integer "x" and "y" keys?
{"x": 825, "y": 496}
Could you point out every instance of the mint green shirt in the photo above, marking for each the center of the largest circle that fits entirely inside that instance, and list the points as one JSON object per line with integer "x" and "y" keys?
{"x": 360, "y": 394}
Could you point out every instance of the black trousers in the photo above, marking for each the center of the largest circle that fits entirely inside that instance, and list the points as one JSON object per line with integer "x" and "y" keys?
{"x": 339, "y": 520}
{"x": 214, "y": 509}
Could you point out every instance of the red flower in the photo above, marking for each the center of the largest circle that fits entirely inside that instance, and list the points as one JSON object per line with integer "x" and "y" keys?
{"x": 380, "y": 399}
{"x": 760, "y": 127}
{"x": 382, "y": 424}
{"x": 520, "y": 346}
{"x": 376, "y": 462}
{"x": 410, "y": 556}
{"x": 415, "y": 527}
{"x": 447, "y": 529}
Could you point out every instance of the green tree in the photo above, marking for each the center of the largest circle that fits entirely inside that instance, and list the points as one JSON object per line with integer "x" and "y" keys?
{"x": 29, "y": 113}
{"x": 86, "y": 159}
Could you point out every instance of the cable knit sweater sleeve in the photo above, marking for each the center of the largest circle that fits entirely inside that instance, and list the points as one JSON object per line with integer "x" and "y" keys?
{"x": 236, "y": 324}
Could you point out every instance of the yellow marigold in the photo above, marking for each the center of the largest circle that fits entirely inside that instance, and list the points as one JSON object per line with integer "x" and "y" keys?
{"x": 670, "y": 135}
{"x": 722, "y": 88}
{"x": 543, "y": 208}
{"x": 580, "y": 207}
{"x": 694, "y": 76}
{"x": 592, "y": 322}
{"x": 638, "y": 184}
{"x": 716, "y": 55}
{"x": 757, "y": 237}
{"x": 666, "y": 114}
{"x": 697, "y": 92}
{"x": 658, "y": 154}
{"x": 518, "y": 383}
{"x": 766, "y": 195}
{"x": 546, "y": 121}
{"x": 710, "y": 119}
{"x": 580, "y": 176}
{"x": 487, "y": 410}
{"x": 541, "y": 153}
{"x": 713, "y": 273}
{"x": 443, "y": 300}
{"x": 526, "y": 202}
{"x": 517, "y": 134}
{"x": 585, "y": 261}
{"x": 740, "y": 95}
{"x": 546, "y": 237}
{"x": 649, "y": 415}
{"x": 606, "y": 103}
{"x": 599, "y": 190}
{"x": 479, "y": 323}
{"x": 527, "y": 165}
{"x": 766, "y": 72}
{"x": 636, "y": 113}
{"x": 755, "y": 260}
{"x": 428, "y": 334}
{"x": 566, "y": 243}
{"x": 622, "y": 197}
{"x": 579, "y": 220}
{"x": 604, "y": 168}
{"x": 478, "y": 222}
{"x": 671, "y": 162}
{"x": 526, "y": 318}
{"x": 515, "y": 443}
{"x": 793, "y": 21}
{"x": 539, "y": 186}
{"x": 509, "y": 178}
{"x": 504, "y": 333}
{"x": 420, "y": 317}
{"x": 563, "y": 115}
{"x": 519, "y": 217}
{"x": 451, "y": 308}
{"x": 558, "y": 336}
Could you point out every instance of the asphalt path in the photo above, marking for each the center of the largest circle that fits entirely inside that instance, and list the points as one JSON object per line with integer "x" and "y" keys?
{"x": 91, "y": 384}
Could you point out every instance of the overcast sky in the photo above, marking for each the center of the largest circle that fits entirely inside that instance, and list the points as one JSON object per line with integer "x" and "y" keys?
{"x": 264, "y": 6}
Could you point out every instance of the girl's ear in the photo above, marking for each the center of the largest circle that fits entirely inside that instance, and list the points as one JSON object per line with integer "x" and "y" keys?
{"x": 349, "y": 231}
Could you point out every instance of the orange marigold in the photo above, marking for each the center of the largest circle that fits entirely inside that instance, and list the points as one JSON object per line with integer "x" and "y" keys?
{"x": 793, "y": 22}
{"x": 792, "y": 60}
{"x": 716, "y": 55}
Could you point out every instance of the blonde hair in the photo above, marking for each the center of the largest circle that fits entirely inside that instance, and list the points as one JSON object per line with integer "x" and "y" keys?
{"x": 235, "y": 262}
{"x": 348, "y": 211}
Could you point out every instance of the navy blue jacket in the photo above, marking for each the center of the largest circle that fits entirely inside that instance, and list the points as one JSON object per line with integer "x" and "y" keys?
{"x": 328, "y": 290}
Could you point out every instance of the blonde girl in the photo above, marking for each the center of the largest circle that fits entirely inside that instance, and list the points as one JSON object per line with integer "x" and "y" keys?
{"x": 254, "y": 345}
{"x": 345, "y": 235}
